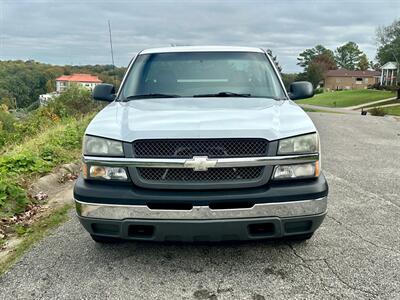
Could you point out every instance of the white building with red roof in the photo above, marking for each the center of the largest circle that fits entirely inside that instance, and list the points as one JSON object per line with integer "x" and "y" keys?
{"x": 86, "y": 80}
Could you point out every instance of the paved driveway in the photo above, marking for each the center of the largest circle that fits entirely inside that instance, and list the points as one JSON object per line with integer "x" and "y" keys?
{"x": 355, "y": 254}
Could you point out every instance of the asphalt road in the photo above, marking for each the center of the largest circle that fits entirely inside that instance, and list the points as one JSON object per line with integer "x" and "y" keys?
{"x": 354, "y": 255}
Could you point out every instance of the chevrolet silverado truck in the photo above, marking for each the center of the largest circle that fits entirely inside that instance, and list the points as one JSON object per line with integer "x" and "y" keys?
{"x": 201, "y": 144}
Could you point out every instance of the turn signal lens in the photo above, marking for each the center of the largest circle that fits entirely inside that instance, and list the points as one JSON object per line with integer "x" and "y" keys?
{"x": 84, "y": 170}
{"x": 317, "y": 168}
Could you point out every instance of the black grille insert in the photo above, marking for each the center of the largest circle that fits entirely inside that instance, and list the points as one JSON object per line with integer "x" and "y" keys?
{"x": 187, "y": 148}
{"x": 211, "y": 175}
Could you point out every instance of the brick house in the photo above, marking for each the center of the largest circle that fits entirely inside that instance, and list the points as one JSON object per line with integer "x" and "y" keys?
{"x": 343, "y": 79}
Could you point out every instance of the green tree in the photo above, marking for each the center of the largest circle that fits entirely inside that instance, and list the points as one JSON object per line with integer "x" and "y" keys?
{"x": 315, "y": 74}
{"x": 288, "y": 78}
{"x": 21, "y": 82}
{"x": 348, "y": 55}
{"x": 374, "y": 65}
{"x": 318, "y": 65}
{"x": 325, "y": 61}
{"x": 363, "y": 63}
{"x": 388, "y": 38}
{"x": 275, "y": 60}
{"x": 50, "y": 85}
{"x": 306, "y": 57}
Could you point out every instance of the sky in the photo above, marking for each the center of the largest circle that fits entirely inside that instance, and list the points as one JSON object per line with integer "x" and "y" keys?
{"x": 76, "y": 32}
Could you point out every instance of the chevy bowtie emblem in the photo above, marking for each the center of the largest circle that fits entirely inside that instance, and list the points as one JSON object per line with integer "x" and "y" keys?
{"x": 200, "y": 163}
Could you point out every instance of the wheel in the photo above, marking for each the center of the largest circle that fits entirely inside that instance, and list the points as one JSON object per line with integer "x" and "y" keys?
{"x": 105, "y": 239}
{"x": 300, "y": 237}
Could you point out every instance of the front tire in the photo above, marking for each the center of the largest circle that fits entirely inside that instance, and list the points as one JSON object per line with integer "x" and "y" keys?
{"x": 105, "y": 239}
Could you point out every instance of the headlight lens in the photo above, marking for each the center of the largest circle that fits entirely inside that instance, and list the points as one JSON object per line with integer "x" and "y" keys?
{"x": 102, "y": 172}
{"x": 108, "y": 173}
{"x": 307, "y": 170}
{"x": 99, "y": 146}
{"x": 308, "y": 143}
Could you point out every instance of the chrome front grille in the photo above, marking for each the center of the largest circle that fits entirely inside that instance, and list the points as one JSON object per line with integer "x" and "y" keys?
{"x": 187, "y": 148}
{"x": 187, "y": 178}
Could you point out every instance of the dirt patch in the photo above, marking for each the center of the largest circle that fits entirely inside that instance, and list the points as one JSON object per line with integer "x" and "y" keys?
{"x": 51, "y": 192}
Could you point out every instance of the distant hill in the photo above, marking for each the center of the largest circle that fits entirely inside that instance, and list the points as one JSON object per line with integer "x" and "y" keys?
{"x": 21, "y": 82}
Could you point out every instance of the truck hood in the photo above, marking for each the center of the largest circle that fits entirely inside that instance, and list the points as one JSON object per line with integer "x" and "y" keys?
{"x": 200, "y": 118}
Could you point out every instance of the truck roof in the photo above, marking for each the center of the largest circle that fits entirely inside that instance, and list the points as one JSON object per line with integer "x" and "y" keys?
{"x": 201, "y": 49}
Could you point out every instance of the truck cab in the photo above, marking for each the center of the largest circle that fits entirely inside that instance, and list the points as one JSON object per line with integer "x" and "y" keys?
{"x": 201, "y": 144}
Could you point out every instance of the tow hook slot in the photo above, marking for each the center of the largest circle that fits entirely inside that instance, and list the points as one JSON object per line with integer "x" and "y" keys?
{"x": 262, "y": 229}
{"x": 141, "y": 231}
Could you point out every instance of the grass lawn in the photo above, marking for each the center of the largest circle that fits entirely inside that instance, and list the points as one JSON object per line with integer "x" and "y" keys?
{"x": 392, "y": 110}
{"x": 347, "y": 98}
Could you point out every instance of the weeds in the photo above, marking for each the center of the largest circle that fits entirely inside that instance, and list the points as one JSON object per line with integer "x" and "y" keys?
{"x": 377, "y": 111}
{"x": 37, "y": 144}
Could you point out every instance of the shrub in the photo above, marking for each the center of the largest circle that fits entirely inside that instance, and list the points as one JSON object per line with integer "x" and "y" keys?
{"x": 13, "y": 199}
{"x": 41, "y": 140}
{"x": 6, "y": 121}
{"x": 72, "y": 136}
{"x": 6, "y": 126}
{"x": 318, "y": 91}
{"x": 377, "y": 111}
{"x": 74, "y": 102}
{"x": 22, "y": 163}
{"x": 378, "y": 86}
{"x": 375, "y": 86}
{"x": 37, "y": 156}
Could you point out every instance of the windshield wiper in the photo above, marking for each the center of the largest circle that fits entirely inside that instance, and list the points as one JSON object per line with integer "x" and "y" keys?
{"x": 223, "y": 94}
{"x": 133, "y": 97}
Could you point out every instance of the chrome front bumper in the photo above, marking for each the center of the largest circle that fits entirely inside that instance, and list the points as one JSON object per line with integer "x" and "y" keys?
{"x": 277, "y": 209}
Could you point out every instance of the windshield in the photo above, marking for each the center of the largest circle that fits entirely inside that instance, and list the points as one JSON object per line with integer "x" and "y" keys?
{"x": 202, "y": 74}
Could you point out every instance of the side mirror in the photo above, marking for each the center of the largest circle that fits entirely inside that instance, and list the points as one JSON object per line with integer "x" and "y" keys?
{"x": 104, "y": 92}
{"x": 301, "y": 90}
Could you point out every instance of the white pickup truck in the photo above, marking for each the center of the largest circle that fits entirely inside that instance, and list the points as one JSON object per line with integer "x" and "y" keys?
{"x": 201, "y": 144}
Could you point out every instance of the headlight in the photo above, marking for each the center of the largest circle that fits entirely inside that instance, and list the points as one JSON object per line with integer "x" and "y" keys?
{"x": 307, "y": 170}
{"x": 102, "y": 172}
{"x": 99, "y": 146}
{"x": 308, "y": 143}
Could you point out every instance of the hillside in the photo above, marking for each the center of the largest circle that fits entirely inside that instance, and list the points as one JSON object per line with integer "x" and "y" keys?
{"x": 21, "y": 82}
{"x": 35, "y": 145}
